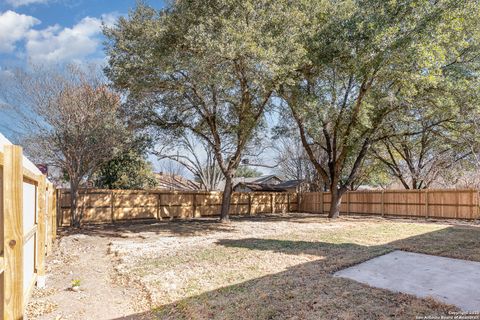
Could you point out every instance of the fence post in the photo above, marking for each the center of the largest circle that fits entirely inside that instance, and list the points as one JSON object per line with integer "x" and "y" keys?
{"x": 249, "y": 203}
{"x": 194, "y": 203}
{"x": 300, "y": 207}
{"x": 288, "y": 202}
{"x": 426, "y": 203}
{"x": 49, "y": 214}
{"x": 456, "y": 204}
{"x": 159, "y": 216}
{"x": 41, "y": 235}
{"x": 112, "y": 206}
{"x": 383, "y": 203}
{"x": 55, "y": 211}
{"x": 472, "y": 203}
{"x": 478, "y": 205}
{"x": 418, "y": 206}
{"x": 272, "y": 201}
{"x": 53, "y": 214}
{"x": 322, "y": 204}
{"x": 348, "y": 202}
{"x": 13, "y": 232}
{"x": 48, "y": 220}
{"x": 59, "y": 198}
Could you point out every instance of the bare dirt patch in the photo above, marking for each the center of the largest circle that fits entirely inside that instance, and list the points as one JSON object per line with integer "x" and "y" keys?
{"x": 271, "y": 267}
{"x": 84, "y": 258}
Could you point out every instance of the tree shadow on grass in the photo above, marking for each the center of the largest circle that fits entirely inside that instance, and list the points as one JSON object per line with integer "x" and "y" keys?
{"x": 204, "y": 225}
{"x": 304, "y": 291}
{"x": 310, "y": 291}
{"x": 180, "y": 227}
{"x": 321, "y": 249}
{"x": 460, "y": 242}
{"x": 128, "y": 229}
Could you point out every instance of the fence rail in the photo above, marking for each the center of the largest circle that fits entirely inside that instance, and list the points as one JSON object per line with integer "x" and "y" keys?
{"x": 27, "y": 230}
{"x": 116, "y": 205}
{"x": 99, "y": 206}
{"x": 428, "y": 203}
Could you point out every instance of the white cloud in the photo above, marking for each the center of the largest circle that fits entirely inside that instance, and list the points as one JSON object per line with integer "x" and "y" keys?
{"x": 57, "y": 44}
{"x": 109, "y": 19}
{"x": 5, "y": 73}
{"x": 18, "y": 3}
{"x": 14, "y": 27}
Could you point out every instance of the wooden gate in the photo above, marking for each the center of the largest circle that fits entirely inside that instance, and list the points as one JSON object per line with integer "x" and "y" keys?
{"x": 26, "y": 208}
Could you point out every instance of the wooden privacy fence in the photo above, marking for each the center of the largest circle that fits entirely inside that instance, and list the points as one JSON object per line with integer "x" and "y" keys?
{"x": 444, "y": 203}
{"x": 27, "y": 230}
{"x": 116, "y": 205}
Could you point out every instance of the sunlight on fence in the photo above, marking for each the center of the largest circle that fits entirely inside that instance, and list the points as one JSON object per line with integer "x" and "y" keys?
{"x": 27, "y": 230}
{"x": 117, "y": 205}
{"x": 427, "y": 203}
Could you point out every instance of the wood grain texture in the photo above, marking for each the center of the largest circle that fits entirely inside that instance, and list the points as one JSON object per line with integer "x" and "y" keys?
{"x": 13, "y": 232}
{"x": 432, "y": 203}
{"x": 42, "y": 225}
{"x": 158, "y": 204}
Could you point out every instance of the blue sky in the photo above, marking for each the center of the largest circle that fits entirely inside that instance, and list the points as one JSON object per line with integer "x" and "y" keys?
{"x": 53, "y": 32}
{"x": 46, "y": 32}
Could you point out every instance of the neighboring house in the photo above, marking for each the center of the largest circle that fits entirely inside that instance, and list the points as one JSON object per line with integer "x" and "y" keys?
{"x": 175, "y": 182}
{"x": 256, "y": 187}
{"x": 285, "y": 186}
{"x": 269, "y": 179}
{"x": 294, "y": 186}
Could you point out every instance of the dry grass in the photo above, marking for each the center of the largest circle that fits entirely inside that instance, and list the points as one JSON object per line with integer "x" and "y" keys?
{"x": 278, "y": 267}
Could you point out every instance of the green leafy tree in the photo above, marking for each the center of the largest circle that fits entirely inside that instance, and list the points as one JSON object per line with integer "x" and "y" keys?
{"x": 247, "y": 172}
{"x": 209, "y": 68}
{"x": 372, "y": 174}
{"x": 368, "y": 61}
{"x": 128, "y": 170}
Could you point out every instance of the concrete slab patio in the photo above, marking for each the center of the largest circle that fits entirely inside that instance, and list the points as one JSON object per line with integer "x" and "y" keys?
{"x": 452, "y": 281}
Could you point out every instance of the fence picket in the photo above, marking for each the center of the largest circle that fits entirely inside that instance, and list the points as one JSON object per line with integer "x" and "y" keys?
{"x": 13, "y": 232}
{"x": 33, "y": 209}
{"x": 41, "y": 232}
{"x": 144, "y": 204}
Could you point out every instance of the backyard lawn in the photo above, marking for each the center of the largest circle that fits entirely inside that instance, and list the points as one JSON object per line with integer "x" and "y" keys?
{"x": 268, "y": 267}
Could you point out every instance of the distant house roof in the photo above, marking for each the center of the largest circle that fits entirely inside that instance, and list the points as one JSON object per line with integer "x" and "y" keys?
{"x": 259, "y": 187}
{"x": 175, "y": 182}
{"x": 279, "y": 187}
{"x": 261, "y": 179}
{"x": 290, "y": 184}
{"x": 258, "y": 180}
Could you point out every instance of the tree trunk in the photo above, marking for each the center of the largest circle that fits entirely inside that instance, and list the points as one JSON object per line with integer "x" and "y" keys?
{"x": 336, "y": 201}
{"x": 75, "y": 217}
{"x": 226, "y": 197}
